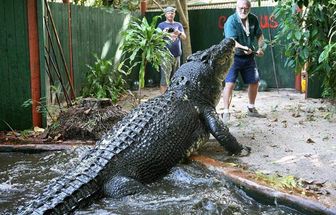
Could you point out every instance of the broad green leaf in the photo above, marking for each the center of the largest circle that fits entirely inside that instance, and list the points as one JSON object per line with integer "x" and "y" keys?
{"x": 324, "y": 55}
{"x": 298, "y": 35}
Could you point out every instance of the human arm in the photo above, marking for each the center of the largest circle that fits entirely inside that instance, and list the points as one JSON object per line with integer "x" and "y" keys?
{"x": 231, "y": 29}
{"x": 179, "y": 32}
{"x": 260, "y": 39}
{"x": 246, "y": 49}
{"x": 261, "y": 44}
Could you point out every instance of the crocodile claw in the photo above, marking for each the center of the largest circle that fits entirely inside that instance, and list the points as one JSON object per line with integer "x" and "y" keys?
{"x": 244, "y": 152}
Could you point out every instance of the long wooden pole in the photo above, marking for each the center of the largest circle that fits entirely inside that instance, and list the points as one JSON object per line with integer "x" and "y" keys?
{"x": 72, "y": 92}
{"x": 56, "y": 67}
{"x": 70, "y": 48}
{"x": 34, "y": 61}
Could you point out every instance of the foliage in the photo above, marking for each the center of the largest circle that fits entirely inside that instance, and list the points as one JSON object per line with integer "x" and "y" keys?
{"x": 42, "y": 107}
{"x": 306, "y": 34}
{"x": 103, "y": 80}
{"x": 126, "y": 5}
{"x": 284, "y": 182}
{"x": 95, "y": 3}
{"x": 143, "y": 43}
{"x": 328, "y": 61}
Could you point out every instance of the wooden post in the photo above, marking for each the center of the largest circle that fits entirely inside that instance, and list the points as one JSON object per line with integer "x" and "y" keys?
{"x": 143, "y": 7}
{"x": 34, "y": 61}
{"x": 298, "y": 82}
{"x": 70, "y": 49}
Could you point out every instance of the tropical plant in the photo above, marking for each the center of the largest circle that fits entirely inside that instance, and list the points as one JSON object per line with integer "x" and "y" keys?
{"x": 103, "y": 81}
{"x": 307, "y": 36}
{"x": 143, "y": 43}
{"x": 328, "y": 60}
{"x": 43, "y": 108}
{"x": 125, "y": 5}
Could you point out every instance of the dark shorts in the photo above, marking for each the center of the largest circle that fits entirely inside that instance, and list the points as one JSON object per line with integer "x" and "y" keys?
{"x": 246, "y": 66}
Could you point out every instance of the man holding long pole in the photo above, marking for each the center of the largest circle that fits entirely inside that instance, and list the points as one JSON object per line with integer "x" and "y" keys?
{"x": 244, "y": 28}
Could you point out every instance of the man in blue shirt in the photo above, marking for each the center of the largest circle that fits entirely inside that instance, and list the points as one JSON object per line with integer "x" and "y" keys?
{"x": 176, "y": 34}
{"x": 244, "y": 28}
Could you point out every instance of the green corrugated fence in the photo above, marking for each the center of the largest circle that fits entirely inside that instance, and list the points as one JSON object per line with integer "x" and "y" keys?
{"x": 14, "y": 65}
{"x": 91, "y": 28}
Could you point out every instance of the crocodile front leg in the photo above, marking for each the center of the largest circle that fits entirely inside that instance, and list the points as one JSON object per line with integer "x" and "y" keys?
{"x": 221, "y": 133}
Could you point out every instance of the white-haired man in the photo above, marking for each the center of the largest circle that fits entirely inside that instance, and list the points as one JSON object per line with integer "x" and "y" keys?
{"x": 244, "y": 28}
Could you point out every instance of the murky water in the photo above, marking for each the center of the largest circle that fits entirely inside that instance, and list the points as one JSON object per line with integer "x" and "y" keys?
{"x": 188, "y": 189}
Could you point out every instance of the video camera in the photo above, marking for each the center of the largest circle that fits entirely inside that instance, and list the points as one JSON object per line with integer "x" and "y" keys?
{"x": 170, "y": 30}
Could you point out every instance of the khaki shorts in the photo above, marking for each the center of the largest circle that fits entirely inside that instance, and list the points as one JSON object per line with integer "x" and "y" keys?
{"x": 168, "y": 69}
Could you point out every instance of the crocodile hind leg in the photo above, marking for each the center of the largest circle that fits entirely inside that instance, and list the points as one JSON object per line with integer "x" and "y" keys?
{"x": 121, "y": 186}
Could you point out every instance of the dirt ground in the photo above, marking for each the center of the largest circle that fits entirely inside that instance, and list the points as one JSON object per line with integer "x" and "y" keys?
{"x": 298, "y": 137}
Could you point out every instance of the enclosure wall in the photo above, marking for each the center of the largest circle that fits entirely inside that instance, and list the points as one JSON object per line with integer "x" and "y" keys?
{"x": 14, "y": 65}
{"x": 91, "y": 29}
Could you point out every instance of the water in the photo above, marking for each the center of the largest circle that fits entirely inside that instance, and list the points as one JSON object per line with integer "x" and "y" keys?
{"x": 188, "y": 189}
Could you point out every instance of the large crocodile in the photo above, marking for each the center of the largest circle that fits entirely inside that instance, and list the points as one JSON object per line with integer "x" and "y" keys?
{"x": 151, "y": 139}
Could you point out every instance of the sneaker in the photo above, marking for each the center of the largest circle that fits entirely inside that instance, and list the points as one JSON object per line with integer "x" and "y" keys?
{"x": 225, "y": 117}
{"x": 252, "y": 112}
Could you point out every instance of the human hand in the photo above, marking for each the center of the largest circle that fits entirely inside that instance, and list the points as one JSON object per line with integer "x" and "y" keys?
{"x": 174, "y": 35}
{"x": 171, "y": 32}
{"x": 260, "y": 53}
{"x": 247, "y": 50}
{"x": 177, "y": 33}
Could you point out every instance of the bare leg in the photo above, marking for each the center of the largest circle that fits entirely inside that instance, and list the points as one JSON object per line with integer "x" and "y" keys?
{"x": 229, "y": 86}
{"x": 252, "y": 92}
{"x": 163, "y": 89}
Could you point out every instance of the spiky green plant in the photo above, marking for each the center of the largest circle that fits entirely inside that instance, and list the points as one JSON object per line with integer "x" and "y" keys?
{"x": 103, "y": 81}
{"x": 143, "y": 43}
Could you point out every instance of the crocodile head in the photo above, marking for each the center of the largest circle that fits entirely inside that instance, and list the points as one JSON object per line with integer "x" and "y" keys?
{"x": 220, "y": 60}
{"x": 221, "y": 57}
{"x": 202, "y": 76}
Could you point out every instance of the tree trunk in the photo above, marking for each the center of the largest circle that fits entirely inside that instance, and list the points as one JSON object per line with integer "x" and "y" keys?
{"x": 182, "y": 9}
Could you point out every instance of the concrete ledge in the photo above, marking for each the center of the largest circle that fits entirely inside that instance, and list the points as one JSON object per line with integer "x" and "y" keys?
{"x": 36, "y": 148}
{"x": 262, "y": 193}
{"x": 36, "y": 145}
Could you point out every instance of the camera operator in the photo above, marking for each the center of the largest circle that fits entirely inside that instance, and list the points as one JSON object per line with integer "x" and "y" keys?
{"x": 176, "y": 34}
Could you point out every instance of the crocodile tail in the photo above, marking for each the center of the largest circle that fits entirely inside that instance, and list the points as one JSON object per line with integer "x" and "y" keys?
{"x": 71, "y": 191}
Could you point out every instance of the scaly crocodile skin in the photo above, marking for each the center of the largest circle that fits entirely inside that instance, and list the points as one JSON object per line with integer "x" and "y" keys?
{"x": 150, "y": 140}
